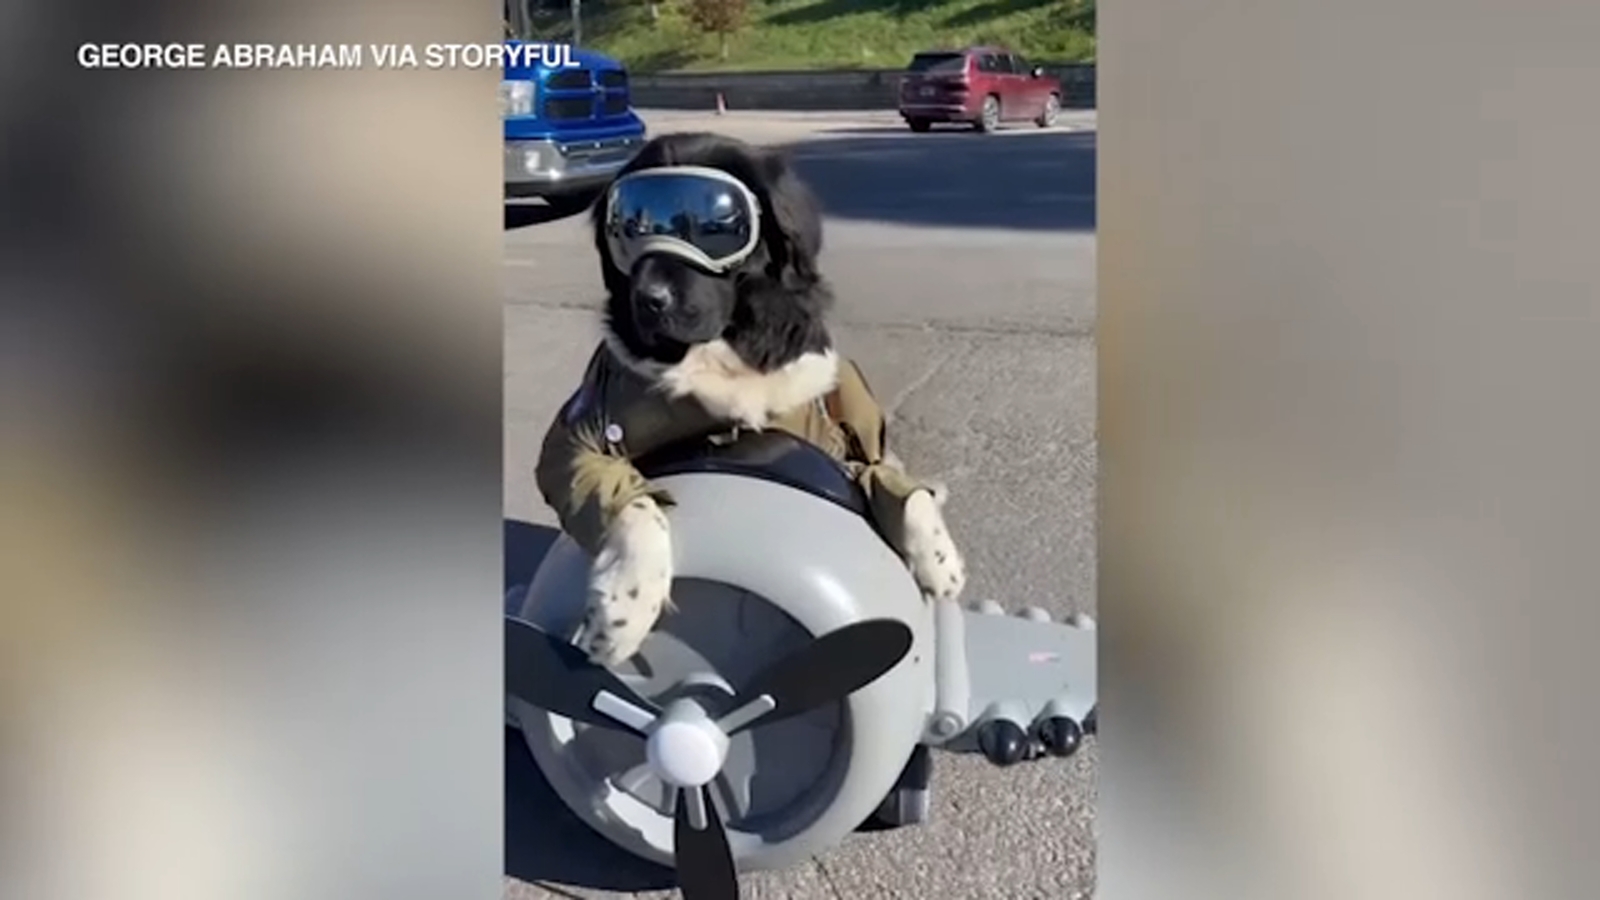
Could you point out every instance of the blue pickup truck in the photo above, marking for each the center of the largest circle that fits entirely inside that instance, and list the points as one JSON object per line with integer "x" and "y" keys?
{"x": 567, "y": 129}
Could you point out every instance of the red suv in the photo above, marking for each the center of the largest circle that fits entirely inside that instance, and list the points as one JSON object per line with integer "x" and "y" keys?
{"x": 981, "y": 85}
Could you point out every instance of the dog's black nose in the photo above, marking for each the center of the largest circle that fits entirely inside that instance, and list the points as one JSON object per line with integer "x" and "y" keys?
{"x": 654, "y": 296}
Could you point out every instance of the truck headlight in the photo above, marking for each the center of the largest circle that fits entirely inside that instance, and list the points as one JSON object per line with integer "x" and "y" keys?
{"x": 516, "y": 98}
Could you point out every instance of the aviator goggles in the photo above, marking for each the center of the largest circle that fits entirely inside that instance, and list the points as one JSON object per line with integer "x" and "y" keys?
{"x": 701, "y": 215}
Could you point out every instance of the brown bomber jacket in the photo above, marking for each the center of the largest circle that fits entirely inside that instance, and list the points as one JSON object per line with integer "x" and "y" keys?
{"x": 618, "y": 414}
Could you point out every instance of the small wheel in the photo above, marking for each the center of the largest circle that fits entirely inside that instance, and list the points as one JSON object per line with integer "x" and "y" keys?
{"x": 1003, "y": 743}
{"x": 571, "y": 204}
{"x": 989, "y": 118}
{"x": 919, "y": 125}
{"x": 907, "y": 803}
{"x": 1061, "y": 736}
{"x": 1052, "y": 111}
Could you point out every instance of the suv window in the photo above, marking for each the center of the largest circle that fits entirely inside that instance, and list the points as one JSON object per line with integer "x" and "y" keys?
{"x": 938, "y": 63}
{"x": 1020, "y": 65}
{"x": 992, "y": 64}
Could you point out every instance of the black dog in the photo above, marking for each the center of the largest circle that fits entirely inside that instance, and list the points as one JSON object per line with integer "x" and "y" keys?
{"x": 693, "y": 351}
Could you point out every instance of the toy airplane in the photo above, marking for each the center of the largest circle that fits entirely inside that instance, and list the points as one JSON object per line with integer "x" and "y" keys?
{"x": 796, "y": 692}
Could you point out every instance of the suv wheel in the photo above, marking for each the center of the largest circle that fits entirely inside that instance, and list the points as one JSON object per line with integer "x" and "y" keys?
{"x": 919, "y": 125}
{"x": 1052, "y": 109}
{"x": 989, "y": 117}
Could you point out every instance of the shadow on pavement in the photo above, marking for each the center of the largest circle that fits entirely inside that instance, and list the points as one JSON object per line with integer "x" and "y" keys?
{"x": 899, "y": 130}
{"x": 1022, "y": 178}
{"x": 544, "y": 840}
{"x": 1043, "y": 180}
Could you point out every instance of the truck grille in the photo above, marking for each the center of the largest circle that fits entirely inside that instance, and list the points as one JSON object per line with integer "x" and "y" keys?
{"x": 576, "y": 95}
{"x": 600, "y": 152}
{"x": 568, "y": 108}
{"x": 568, "y": 80}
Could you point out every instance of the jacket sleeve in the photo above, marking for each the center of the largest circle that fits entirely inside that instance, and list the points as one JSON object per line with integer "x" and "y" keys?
{"x": 586, "y": 480}
{"x": 881, "y": 477}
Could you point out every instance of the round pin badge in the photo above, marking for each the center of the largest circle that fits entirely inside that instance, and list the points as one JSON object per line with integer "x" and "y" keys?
{"x": 613, "y": 433}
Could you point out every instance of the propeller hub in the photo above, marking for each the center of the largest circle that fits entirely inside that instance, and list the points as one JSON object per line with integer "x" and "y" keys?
{"x": 686, "y": 749}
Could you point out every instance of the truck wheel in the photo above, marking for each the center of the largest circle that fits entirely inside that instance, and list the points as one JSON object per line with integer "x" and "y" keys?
{"x": 919, "y": 125}
{"x": 571, "y": 204}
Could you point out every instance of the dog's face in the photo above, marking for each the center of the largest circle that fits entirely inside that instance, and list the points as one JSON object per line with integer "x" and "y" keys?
{"x": 672, "y": 304}
{"x": 768, "y": 307}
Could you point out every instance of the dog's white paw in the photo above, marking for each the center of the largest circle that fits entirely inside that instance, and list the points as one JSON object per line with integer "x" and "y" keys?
{"x": 931, "y": 553}
{"x": 629, "y": 584}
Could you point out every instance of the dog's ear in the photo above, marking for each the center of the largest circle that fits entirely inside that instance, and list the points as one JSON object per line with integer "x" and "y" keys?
{"x": 795, "y": 234}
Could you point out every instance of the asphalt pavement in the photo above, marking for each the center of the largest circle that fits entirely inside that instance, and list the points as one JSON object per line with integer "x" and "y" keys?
{"x": 965, "y": 270}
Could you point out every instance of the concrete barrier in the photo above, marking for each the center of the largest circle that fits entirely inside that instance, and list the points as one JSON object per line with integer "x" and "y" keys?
{"x": 823, "y": 90}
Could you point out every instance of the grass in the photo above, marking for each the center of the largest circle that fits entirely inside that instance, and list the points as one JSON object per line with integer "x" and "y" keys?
{"x": 831, "y": 34}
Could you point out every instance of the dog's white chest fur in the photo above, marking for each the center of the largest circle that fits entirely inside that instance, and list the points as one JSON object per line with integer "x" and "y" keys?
{"x": 729, "y": 388}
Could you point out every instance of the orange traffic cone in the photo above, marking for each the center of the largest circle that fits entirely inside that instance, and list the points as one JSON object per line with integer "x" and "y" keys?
{"x": 722, "y": 105}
